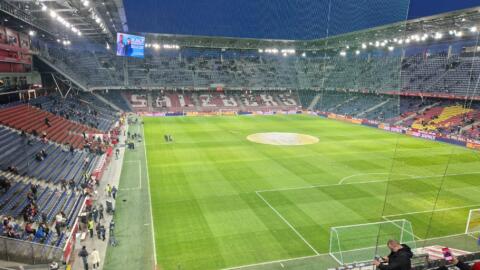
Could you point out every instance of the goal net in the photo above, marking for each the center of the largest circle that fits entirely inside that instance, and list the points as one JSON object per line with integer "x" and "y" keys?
{"x": 227, "y": 112}
{"x": 473, "y": 222}
{"x": 362, "y": 242}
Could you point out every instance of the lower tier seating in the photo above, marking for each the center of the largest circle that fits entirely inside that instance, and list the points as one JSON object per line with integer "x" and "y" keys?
{"x": 28, "y": 156}
{"x": 52, "y": 127}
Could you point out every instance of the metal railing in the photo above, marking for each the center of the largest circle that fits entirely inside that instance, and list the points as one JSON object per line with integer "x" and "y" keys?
{"x": 28, "y": 252}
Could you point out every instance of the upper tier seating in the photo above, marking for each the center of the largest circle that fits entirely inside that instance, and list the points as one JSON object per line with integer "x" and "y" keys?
{"x": 196, "y": 68}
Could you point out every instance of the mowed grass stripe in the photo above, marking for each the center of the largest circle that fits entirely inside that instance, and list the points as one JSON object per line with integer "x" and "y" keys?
{"x": 212, "y": 209}
{"x": 203, "y": 185}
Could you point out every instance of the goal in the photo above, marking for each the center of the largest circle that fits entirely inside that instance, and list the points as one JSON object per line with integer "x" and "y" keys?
{"x": 473, "y": 222}
{"x": 362, "y": 242}
{"x": 227, "y": 112}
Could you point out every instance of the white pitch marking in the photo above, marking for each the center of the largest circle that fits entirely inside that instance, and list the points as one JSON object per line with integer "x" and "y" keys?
{"x": 360, "y": 174}
{"x": 276, "y": 261}
{"x": 322, "y": 254}
{"x": 149, "y": 196}
{"x": 433, "y": 210}
{"x": 288, "y": 223}
{"x": 365, "y": 182}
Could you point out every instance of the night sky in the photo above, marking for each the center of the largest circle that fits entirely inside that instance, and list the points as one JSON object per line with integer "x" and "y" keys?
{"x": 277, "y": 19}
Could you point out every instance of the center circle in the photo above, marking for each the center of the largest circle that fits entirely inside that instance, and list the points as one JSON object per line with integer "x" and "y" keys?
{"x": 282, "y": 138}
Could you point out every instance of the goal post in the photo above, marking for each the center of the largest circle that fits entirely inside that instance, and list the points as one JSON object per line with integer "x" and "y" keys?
{"x": 473, "y": 222}
{"x": 362, "y": 242}
{"x": 227, "y": 112}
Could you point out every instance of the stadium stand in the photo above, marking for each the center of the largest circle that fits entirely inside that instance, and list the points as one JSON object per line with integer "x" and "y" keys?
{"x": 47, "y": 125}
{"x": 15, "y": 203}
{"x": 117, "y": 99}
{"x": 199, "y": 69}
{"x": 204, "y": 101}
{"x": 33, "y": 157}
{"x": 84, "y": 109}
{"x": 53, "y": 147}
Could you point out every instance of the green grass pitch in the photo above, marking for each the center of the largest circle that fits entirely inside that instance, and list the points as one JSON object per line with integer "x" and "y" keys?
{"x": 221, "y": 201}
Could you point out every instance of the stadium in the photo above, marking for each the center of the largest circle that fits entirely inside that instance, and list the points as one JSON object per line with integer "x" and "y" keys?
{"x": 249, "y": 135}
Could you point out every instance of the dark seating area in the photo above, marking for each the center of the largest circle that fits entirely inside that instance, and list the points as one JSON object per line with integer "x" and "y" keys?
{"x": 24, "y": 209}
{"x": 49, "y": 149}
{"x": 84, "y": 108}
{"x": 23, "y": 154}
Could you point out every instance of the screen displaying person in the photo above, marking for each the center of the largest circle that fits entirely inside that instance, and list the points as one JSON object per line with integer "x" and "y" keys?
{"x": 120, "y": 46}
{"x": 128, "y": 48}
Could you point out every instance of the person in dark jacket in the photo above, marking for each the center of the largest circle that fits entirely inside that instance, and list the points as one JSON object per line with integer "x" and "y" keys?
{"x": 398, "y": 259}
{"x": 84, "y": 255}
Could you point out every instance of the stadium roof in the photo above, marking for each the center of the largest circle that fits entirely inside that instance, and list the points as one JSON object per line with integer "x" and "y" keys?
{"x": 436, "y": 27}
{"x": 66, "y": 19}
{"x": 89, "y": 17}
{"x": 280, "y": 19}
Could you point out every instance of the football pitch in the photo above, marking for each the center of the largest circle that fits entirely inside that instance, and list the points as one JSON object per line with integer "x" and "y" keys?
{"x": 221, "y": 201}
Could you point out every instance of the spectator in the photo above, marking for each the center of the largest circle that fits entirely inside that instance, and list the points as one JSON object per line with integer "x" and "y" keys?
{"x": 461, "y": 265}
{"x": 47, "y": 122}
{"x": 84, "y": 255}
{"x": 29, "y": 230}
{"x": 103, "y": 231}
{"x": 58, "y": 228}
{"x": 60, "y": 219}
{"x": 95, "y": 214}
{"x": 63, "y": 184}
{"x": 95, "y": 255}
{"x": 40, "y": 234}
{"x": 39, "y": 157}
{"x": 90, "y": 227}
{"x": 108, "y": 190}
{"x": 114, "y": 192}
{"x": 44, "y": 217}
{"x": 12, "y": 169}
{"x": 100, "y": 212}
{"x": 86, "y": 162}
{"x": 398, "y": 259}
{"x": 97, "y": 229}
{"x": 72, "y": 184}
{"x": 5, "y": 184}
{"x": 54, "y": 266}
{"x": 34, "y": 189}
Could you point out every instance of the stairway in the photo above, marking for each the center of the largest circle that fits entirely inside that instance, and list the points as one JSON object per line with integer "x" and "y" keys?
{"x": 417, "y": 113}
{"x": 107, "y": 101}
{"x": 61, "y": 70}
{"x": 314, "y": 102}
{"x": 373, "y": 108}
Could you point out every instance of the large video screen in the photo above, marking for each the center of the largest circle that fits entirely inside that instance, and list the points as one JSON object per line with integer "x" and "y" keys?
{"x": 130, "y": 45}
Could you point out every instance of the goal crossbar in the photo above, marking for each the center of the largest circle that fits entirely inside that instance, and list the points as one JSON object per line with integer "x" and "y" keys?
{"x": 362, "y": 242}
